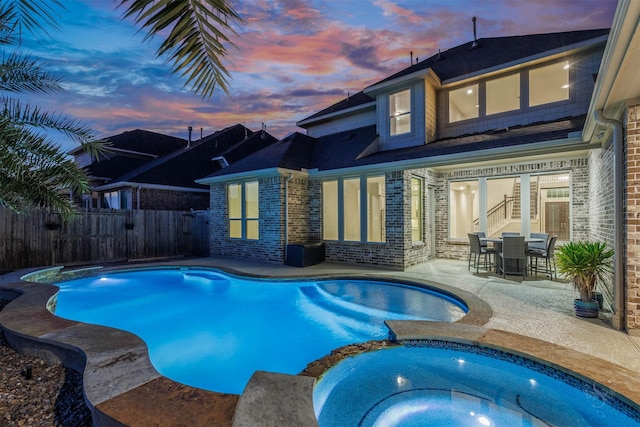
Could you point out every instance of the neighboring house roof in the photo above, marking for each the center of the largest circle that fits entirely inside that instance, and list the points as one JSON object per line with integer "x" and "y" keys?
{"x": 131, "y": 150}
{"x": 184, "y": 164}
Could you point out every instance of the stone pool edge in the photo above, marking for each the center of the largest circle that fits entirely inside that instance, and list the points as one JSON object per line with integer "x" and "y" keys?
{"x": 117, "y": 370}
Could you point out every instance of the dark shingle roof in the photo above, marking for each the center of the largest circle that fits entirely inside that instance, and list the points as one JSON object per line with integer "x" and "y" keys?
{"x": 462, "y": 60}
{"x": 144, "y": 141}
{"x": 359, "y": 98}
{"x": 495, "y": 51}
{"x": 293, "y": 152}
{"x": 184, "y": 166}
{"x": 345, "y": 149}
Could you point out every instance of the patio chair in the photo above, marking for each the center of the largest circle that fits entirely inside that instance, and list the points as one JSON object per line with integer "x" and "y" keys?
{"x": 476, "y": 251}
{"x": 510, "y": 233}
{"x": 513, "y": 254}
{"x": 549, "y": 261}
{"x": 537, "y": 248}
{"x": 482, "y": 235}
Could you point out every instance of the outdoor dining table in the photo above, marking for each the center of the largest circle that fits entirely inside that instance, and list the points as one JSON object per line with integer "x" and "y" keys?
{"x": 497, "y": 245}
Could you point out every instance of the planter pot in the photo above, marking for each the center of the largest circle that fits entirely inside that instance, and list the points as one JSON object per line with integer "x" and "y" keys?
{"x": 586, "y": 309}
{"x": 597, "y": 296}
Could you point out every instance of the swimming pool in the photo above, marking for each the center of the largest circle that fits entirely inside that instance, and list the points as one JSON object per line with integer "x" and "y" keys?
{"x": 461, "y": 386}
{"x": 212, "y": 330}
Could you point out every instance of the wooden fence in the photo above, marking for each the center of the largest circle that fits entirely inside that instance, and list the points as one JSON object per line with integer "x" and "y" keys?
{"x": 100, "y": 236}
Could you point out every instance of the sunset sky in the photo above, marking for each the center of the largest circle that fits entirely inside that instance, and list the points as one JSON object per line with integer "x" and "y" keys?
{"x": 291, "y": 57}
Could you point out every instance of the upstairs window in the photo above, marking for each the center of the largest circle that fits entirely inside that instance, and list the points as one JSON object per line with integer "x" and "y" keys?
{"x": 242, "y": 200}
{"x": 463, "y": 103}
{"x": 503, "y": 94}
{"x": 549, "y": 83}
{"x": 400, "y": 112}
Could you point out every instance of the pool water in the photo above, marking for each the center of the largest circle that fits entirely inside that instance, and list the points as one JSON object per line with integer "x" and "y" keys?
{"x": 438, "y": 387}
{"x": 211, "y": 330}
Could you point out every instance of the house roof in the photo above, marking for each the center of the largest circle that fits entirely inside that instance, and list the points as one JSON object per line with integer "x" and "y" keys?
{"x": 463, "y": 60}
{"x": 495, "y": 51}
{"x": 184, "y": 165}
{"x": 352, "y": 101}
{"x": 293, "y": 152}
{"x": 349, "y": 149}
{"x": 132, "y": 150}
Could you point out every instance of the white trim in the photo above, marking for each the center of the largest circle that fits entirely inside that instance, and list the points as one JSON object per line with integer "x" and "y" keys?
{"x": 126, "y": 184}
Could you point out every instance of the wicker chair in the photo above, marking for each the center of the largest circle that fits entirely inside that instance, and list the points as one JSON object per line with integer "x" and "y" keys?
{"x": 537, "y": 248}
{"x": 549, "y": 261}
{"x": 476, "y": 251}
{"x": 515, "y": 250}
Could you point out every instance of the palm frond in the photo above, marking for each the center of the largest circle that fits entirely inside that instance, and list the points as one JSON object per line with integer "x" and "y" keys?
{"x": 34, "y": 173}
{"x": 197, "y": 39}
{"x": 35, "y": 15}
{"x": 20, "y": 73}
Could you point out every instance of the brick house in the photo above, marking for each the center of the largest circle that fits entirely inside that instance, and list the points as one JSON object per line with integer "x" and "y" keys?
{"x": 147, "y": 170}
{"x": 497, "y": 134}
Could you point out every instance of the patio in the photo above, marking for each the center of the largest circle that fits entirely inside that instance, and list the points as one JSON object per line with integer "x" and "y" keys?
{"x": 535, "y": 307}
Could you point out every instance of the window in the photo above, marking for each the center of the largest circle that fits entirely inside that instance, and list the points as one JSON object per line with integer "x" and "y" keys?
{"x": 330, "y": 210}
{"x": 463, "y": 208}
{"x": 376, "y": 205}
{"x": 354, "y": 209}
{"x": 549, "y": 83}
{"x": 242, "y": 201}
{"x": 523, "y": 203}
{"x": 115, "y": 200}
{"x": 351, "y": 203}
{"x": 503, "y": 94}
{"x": 416, "y": 210}
{"x": 550, "y": 205}
{"x": 463, "y": 103}
{"x": 400, "y": 112}
{"x": 503, "y": 206}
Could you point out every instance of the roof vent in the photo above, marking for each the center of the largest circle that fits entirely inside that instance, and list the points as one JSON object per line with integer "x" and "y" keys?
{"x": 475, "y": 39}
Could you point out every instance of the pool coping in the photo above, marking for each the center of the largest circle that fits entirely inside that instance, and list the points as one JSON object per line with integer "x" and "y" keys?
{"x": 121, "y": 387}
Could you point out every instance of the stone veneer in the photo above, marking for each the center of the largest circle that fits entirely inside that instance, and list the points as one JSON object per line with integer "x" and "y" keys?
{"x": 601, "y": 207}
{"x": 270, "y": 245}
{"x": 632, "y": 220}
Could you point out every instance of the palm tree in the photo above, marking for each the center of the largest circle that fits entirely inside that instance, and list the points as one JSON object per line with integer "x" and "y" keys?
{"x": 33, "y": 170}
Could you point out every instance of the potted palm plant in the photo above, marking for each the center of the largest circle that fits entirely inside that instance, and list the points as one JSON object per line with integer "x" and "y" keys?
{"x": 587, "y": 264}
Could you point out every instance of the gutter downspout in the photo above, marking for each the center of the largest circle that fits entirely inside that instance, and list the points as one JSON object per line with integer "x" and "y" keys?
{"x": 618, "y": 216}
{"x": 286, "y": 215}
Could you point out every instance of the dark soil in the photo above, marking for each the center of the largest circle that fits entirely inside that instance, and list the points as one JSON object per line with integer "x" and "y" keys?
{"x": 33, "y": 393}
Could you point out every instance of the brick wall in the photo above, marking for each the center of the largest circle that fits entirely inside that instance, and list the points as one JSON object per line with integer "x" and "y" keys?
{"x": 601, "y": 207}
{"x": 632, "y": 219}
{"x": 299, "y": 211}
{"x": 270, "y": 245}
{"x": 170, "y": 200}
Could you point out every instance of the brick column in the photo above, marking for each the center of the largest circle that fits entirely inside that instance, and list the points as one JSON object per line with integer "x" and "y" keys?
{"x": 632, "y": 219}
